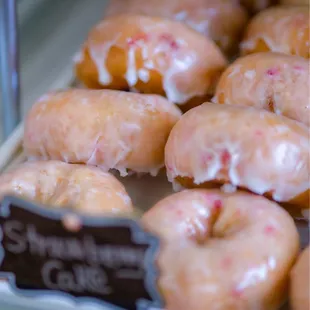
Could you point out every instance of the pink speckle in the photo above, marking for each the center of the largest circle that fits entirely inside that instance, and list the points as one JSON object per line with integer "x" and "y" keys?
{"x": 258, "y": 133}
{"x": 217, "y": 205}
{"x": 140, "y": 37}
{"x": 226, "y": 262}
{"x": 169, "y": 167}
{"x": 206, "y": 158}
{"x": 169, "y": 39}
{"x": 298, "y": 68}
{"x": 211, "y": 197}
{"x": 237, "y": 292}
{"x": 209, "y": 157}
{"x": 273, "y": 71}
{"x": 225, "y": 157}
{"x": 179, "y": 212}
{"x": 207, "y": 197}
{"x": 269, "y": 230}
{"x": 238, "y": 212}
{"x": 190, "y": 231}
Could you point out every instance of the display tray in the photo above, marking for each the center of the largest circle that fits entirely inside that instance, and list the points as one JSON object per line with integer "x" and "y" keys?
{"x": 144, "y": 191}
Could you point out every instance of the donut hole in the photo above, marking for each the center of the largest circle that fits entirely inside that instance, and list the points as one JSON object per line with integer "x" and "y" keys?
{"x": 220, "y": 223}
{"x": 230, "y": 222}
{"x": 201, "y": 230}
{"x": 271, "y": 104}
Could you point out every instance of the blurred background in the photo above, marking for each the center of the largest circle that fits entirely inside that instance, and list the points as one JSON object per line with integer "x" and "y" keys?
{"x": 51, "y": 32}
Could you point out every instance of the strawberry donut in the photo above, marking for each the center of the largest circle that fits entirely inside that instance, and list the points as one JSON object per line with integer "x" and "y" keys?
{"x": 151, "y": 55}
{"x": 300, "y": 282}
{"x": 212, "y": 18}
{"x": 87, "y": 190}
{"x": 105, "y": 128}
{"x": 222, "y": 251}
{"x": 283, "y": 29}
{"x": 245, "y": 147}
{"x": 271, "y": 81}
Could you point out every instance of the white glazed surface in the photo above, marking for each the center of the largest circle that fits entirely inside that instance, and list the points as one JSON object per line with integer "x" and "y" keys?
{"x": 104, "y": 128}
{"x": 211, "y": 18}
{"x": 144, "y": 191}
{"x": 244, "y": 146}
{"x": 185, "y": 60}
{"x": 269, "y": 81}
{"x": 283, "y": 29}
{"x": 237, "y": 249}
{"x": 88, "y": 189}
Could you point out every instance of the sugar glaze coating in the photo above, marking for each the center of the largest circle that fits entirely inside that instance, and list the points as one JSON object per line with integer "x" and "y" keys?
{"x": 104, "y": 128}
{"x": 212, "y": 18}
{"x": 283, "y": 29}
{"x": 271, "y": 81}
{"x": 222, "y": 251}
{"x": 87, "y": 190}
{"x": 150, "y": 55}
{"x": 254, "y": 149}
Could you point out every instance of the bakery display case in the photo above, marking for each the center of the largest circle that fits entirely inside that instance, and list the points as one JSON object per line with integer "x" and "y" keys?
{"x": 50, "y": 33}
{"x": 170, "y": 116}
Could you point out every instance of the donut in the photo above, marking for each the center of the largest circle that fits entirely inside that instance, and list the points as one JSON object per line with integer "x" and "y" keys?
{"x": 151, "y": 55}
{"x": 254, "y": 6}
{"x": 283, "y": 29}
{"x": 270, "y": 81}
{"x": 244, "y": 147}
{"x": 87, "y": 190}
{"x": 105, "y": 128}
{"x": 212, "y": 18}
{"x": 300, "y": 287}
{"x": 222, "y": 251}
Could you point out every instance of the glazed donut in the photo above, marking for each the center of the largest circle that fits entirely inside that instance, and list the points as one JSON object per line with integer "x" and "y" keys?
{"x": 212, "y": 18}
{"x": 300, "y": 287}
{"x": 105, "y": 128}
{"x": 151, "y": 55}
{"x": 283, "y": 29}
{"x": 222, "y": 251}
{"x": 271, "y": 81}
{"x": 254, "y": 149}
{"x": 295, "y": 2}
{"x": 254, "y": 6}
{"x": 86, "y": 189}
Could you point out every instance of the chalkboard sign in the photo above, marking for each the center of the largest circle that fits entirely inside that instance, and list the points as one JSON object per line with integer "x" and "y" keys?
{"x": 109, "y": 261}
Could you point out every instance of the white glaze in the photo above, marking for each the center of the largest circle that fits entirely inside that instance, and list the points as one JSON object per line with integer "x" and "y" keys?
{"x": 52, "y": 183}
{"x": 99, "y": 54}
{"x": 131, "y": 74}
{"x": 210, "y": 18}
{"x": 275, "y": 27}
{"x": 270, "y": 81}
{"x": 170, "y": 53}
{"x": 233, "y": 251}
{"x": 112, "y": 127}
{"x": 278, "y": 165}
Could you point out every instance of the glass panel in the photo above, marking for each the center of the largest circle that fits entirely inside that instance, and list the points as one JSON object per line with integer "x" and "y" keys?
{"x": 51, "y": 32}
